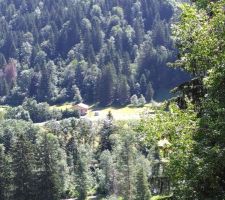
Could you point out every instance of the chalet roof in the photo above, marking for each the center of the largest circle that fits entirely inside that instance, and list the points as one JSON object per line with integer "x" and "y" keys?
{"x": 82, "y": 105}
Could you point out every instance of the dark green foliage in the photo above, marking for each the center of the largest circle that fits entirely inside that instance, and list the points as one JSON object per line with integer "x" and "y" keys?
{"x": 62, "y": 44}
{"x": 122, "y": 91}
{"x": 66, "y": 159}
{"x": 143, "y": 84}
{"x": 203, "y": 174}
{"x": 106, "y": 87}
{"x": 17, "y": 113}
{"x": 79, "y": 167}
{"x": 40, "y": 112}
{"x": 49, "y": 181}
{"x": 142, "y": 186}
{"x": 126, "y": 153}
{"x": 70, "y": 113}
{"x": 107, "y": 130}
{"x": 23, "y": 165}
{"x": 149, "y": 92}
{"x": 106, "y": 181}
{"x": 6, "y": 175}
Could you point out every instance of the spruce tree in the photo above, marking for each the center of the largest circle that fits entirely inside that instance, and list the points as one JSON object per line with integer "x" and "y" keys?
{"x": 123, "y": 91}
{"x": 142, "y": 186}
{"x": 126, "y": 153}
{"x": 79, "y": 169}
{"x": 143, "y": 84}
{"x": 107, "y": 173}
{"x": 47, "y": 83}
{"x": 23, "y": 168}
{"x": 149, "y": 92}
{"x": 106, "y": 86}
{"x": 49, "y": 183}
{"x": 107, "y": 130}
{"x": 6, "y": 176}
{"x": 76, "y": 95}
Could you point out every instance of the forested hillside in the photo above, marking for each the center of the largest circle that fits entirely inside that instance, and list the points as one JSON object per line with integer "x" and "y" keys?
{"x": 105, "y": 50}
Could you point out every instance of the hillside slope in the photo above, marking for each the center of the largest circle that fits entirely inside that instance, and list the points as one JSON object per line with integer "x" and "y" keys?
{"x": 107, "y": 50}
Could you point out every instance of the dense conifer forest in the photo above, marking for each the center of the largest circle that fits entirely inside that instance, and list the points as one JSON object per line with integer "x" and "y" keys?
{"x": 106, "y": 50}
{"x": 112, "y": 52}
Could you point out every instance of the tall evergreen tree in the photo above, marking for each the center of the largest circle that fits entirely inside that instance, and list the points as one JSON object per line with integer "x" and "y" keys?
{"x": 6, "y": 176}
{"x": 123, "y": 91}
{"x": 49, "y": 182}
{"x": 47, "y": 83}
{"x": 126, "y": 159}
{"x": 106, "y": 86}
{"x": 23, "y": 168}
{"x": 143, "y": 84}
{"x": 107, "y": 130}
{"x": 79, "y": 169}
{"x": 149, "y": 92}
{"x": 142, "y": 185}
{"x": 107, "y": 178}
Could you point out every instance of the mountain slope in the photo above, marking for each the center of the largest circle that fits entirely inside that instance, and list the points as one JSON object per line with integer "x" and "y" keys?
{"x": 106, "y": 50}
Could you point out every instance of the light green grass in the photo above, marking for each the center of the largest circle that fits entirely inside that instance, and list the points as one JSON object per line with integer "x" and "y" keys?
{"x": 119, "y": 113}
{"x": 63, "y": 106}
{"x": 123, "y": 113}
{"x": 3, "y": 108}
{"x": 160, "y": 197}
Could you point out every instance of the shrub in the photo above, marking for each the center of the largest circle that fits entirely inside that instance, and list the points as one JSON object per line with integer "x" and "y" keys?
{"x": 134, "y": 100}
{"x": 68, "y": 113}
{"x": 17, "y": 113}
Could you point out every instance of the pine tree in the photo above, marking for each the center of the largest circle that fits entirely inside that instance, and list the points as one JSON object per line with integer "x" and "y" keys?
{"x": 126, "y": 65}
{"x": 107, "y": 130}
{"x": 49, "y": 183}
{"x": 142, "y": 186}
{"x": 23, "y": 167}
{"x": 47, "y": 83}
{"x": 9, "y": 47}
{"x": 149, "y": 92}
{"x": 143, "y": 84}
{"x": 107, "y": 166}
{"x": 106, "y": 86}
{"x": 6, "y": 176}
{"x": 79, "y": 169}
{"x": 123, "y": 91}
{"x": 137, "y": 89}
{"x": 126, "y": 153}
{"x": 77, "y": 96}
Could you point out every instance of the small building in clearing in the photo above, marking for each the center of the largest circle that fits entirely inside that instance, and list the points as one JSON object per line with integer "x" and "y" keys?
{"x": 82, "y": 108}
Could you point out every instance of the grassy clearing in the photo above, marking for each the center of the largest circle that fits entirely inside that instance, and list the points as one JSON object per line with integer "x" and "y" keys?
{"x": 63, "y": 106}
{"x": 123, "y": 113}
{"x": 119, "y": 113}
{"x": 3, "y": 108}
